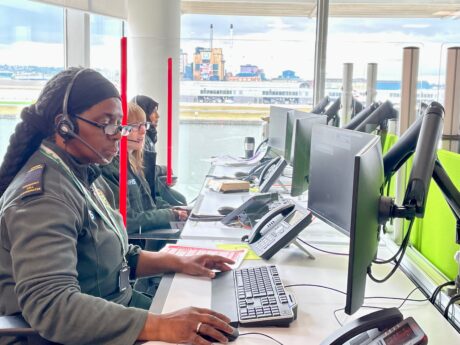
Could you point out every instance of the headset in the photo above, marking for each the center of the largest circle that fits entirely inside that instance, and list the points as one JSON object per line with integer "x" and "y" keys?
{"x": 66, "y": 127}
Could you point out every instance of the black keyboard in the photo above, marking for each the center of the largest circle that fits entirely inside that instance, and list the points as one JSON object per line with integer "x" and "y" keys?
{"x": 253, "y": 297}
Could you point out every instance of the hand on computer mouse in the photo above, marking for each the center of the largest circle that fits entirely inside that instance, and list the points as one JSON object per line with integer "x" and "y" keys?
{"x": 230, "y": 336}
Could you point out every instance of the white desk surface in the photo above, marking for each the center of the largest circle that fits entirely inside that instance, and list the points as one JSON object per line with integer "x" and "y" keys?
{"x": 315, "y": 319}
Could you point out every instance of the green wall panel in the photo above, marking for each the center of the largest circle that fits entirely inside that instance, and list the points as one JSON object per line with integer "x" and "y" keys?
{"x": 434, "y": 235}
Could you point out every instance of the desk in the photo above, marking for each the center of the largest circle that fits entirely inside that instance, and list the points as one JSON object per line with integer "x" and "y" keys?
{"x": 315, "y": 320}
{"x": 315, "y": 317}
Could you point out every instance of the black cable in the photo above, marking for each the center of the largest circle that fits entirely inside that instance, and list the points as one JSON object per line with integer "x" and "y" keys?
{"x": 406, "y": 299}
{"x": 316, "y": 285}
{"x": 452, "y": 300}
{"x": 438, "y": 290}
{"x": 412, "y": 300}
{"x": 265, "y": 335}
{"x": 321, "y": 250}
{"x": 401, "y": 249}
{"x": 364, "y": 306}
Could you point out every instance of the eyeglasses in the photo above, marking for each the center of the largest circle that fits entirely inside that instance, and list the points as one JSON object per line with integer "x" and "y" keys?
{"x": 109, "y": 128}
{"x": 137, "y": 126}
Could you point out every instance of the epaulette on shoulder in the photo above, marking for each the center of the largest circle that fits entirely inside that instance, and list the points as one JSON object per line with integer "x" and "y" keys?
{"x": 33, "y": 181}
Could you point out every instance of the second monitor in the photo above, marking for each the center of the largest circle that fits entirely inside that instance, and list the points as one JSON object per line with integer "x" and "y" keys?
{"x": 301, "y": 152}
{"x": 346, "y": 178}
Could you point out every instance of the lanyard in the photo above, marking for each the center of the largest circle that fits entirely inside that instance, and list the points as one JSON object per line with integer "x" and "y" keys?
{"x": 96, "y": 192}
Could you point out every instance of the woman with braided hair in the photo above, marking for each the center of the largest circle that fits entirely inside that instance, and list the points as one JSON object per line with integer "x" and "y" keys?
{"x": 65, "y": 262}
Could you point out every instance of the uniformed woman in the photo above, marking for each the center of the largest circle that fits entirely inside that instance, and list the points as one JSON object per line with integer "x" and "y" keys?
{"x": 155, "y": 174}
{"x": 142, "y": 213}
{"x": 65, "y": 262}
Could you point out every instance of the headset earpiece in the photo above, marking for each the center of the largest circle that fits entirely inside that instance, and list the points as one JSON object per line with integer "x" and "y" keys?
{"x": 65, "y": 127}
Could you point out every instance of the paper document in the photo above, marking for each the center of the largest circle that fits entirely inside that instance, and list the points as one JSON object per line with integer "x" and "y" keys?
{"x": 235, "y": 255}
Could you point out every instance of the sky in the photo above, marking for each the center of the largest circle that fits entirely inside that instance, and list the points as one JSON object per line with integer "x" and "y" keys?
{"x": 289, "y": 43}
{"x": 31, "y": 34}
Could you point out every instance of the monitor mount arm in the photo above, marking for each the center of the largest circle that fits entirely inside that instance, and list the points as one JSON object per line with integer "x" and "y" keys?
{"x": 421, "y": 139}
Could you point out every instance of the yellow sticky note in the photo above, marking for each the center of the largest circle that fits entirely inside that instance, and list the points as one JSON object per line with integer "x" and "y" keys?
{"x": 250, "y": 255}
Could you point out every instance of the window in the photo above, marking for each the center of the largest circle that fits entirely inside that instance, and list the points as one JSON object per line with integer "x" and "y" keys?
{"x": 228, "y": 85}
{"x": 105, "y": 50}
{"x": 31, "y": 52}
{"x": 381, "y": 40}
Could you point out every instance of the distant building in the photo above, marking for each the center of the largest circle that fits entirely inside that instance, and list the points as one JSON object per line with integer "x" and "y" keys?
{"x": 208, "y": 64}
{"x": 248, "y": 73}
{"x": 183, "y": 63}
{"x": 288, "y": 75}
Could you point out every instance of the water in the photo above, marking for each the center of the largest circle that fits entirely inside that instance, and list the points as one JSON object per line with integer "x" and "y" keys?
{"x": 199, "y": 140}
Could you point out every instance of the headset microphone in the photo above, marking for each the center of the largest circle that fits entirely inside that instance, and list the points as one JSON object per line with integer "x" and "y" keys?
{"x": 88, "y": 145}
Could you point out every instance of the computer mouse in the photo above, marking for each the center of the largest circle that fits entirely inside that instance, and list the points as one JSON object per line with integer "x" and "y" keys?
{"x": 230, "y": 336}
{"x": 224, "y": 210}
{"x": 241, "y": 174}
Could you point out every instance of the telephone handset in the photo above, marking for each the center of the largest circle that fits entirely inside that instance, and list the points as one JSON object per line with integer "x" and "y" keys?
{"x": 252, "y": 209}
{"x": 270, "y": 173}
{"x": 278, "y": 228}
{"x": 383, "y": 327}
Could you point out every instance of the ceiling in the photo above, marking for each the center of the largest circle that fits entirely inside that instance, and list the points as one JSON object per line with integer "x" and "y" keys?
{"x": 337, "y": 8}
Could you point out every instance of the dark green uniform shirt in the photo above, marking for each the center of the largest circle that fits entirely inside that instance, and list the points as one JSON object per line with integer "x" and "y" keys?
{"x": 59, "y": 261}
{"x": 142, "y": 213}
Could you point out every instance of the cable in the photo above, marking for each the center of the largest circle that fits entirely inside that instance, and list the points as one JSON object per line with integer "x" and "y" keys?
{"x": 318, "y": 286}
{"x": 452, "y": 300}
{"x": 364, "y": 306}
{"x": 406, "y": 299}
{"x": 321, "y": 250}
{"x": 265, "y": 335}
{"x": 438, "y": 290}
{"x": 401, "y": 249}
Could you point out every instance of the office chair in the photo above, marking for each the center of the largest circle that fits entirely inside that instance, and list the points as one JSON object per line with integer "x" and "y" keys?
{"x": 15, "y": 325}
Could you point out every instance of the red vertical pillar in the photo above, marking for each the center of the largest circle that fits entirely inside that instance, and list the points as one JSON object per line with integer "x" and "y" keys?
{"x": 124, "y": 143}
{"x": 169, "y": 148}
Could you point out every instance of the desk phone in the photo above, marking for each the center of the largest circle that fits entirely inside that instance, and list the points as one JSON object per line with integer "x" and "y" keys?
{"x": 278, "y": 228}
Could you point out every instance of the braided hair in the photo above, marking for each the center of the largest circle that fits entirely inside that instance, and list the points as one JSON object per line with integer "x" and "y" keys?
{"x": 37, "y": 124}
{"x": 38, "y": 120}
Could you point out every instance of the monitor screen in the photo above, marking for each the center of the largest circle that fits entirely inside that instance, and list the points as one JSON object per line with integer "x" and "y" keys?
{"x": 346, "y": 178}
{"x": 277, "y": 129}
{"x": 291, "y": 130}
{"x": 301, "y": 152}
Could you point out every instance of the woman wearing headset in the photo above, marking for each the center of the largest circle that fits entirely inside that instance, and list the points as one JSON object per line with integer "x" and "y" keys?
{"x": 65, "y": 262}
{"x": 155, "y": 174}
{"x": 143, "y": 214}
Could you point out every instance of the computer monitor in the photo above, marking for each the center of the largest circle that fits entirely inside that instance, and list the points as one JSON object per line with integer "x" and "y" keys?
{"x": 291, "y": 130}
{"x": 277, "y": 129}
{"x": 301, "y": 156}
{"x": 346, "y": 177}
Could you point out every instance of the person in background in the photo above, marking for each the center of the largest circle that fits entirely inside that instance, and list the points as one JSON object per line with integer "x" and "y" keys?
{"x": 65, "y": 262}
{"x": 142, "y": 213}
{"x": 156, "y": 174}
